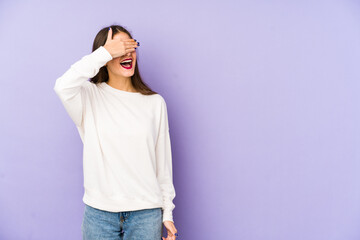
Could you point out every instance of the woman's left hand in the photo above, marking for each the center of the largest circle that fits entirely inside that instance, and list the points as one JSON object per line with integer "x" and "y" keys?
{"x": 171, "y": 230}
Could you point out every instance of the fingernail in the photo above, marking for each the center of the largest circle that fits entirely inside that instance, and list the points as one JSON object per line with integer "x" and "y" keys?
{"x": 138, "y": 43}
{"x": 176, "y": 234}
{"x": 109, "y": 28}
{"x": 135, "y": 40}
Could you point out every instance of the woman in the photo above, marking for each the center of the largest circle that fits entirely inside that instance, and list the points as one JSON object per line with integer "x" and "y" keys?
{"x": 123, "y": 125}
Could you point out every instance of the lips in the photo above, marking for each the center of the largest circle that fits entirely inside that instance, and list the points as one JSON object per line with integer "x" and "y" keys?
{"x": 127, "y": 63}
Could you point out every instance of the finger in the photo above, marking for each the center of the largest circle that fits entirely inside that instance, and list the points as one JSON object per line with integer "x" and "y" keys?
{"x": 131, "y": 47}
{"x": 109, "y": 36}
{"x": 131, "y": 44}
{"x": 130, "y": 50}
{"x": 172, "y": 230}
{"x": 129, "y": 40}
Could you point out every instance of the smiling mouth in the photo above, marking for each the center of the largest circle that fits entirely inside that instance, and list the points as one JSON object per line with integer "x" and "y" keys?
{"x": 127, "y": 64}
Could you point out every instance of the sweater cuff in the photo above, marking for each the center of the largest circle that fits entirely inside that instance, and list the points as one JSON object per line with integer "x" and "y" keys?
{"x": 167, "y": 216}
{"x": 102, "y": 55}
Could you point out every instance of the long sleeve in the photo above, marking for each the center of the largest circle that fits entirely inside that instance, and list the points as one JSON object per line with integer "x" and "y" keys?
{"x": 69, "y": 87}
{"x": 164, "y": 165}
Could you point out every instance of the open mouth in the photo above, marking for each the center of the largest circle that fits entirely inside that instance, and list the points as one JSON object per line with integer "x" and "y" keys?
{"x": 127, "y": 63}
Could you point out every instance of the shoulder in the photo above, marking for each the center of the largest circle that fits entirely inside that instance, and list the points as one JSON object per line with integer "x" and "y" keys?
{"x": 160, "y": 100}
{"x": 157, "y": 98}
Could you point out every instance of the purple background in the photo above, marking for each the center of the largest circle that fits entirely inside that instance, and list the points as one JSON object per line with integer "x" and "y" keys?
{"x": 263, "y": 101}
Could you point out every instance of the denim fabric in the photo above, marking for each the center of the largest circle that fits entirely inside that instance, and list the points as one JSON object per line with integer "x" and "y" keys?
{"x": 145, "y": 224}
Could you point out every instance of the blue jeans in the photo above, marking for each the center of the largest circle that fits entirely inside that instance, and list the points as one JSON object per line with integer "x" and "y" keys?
{"x": 145, "y": 224}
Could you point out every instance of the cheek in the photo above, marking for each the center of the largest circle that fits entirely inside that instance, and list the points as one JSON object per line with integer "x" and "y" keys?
{"x": 113, "y": 62}
{"x": 113, "y": 65}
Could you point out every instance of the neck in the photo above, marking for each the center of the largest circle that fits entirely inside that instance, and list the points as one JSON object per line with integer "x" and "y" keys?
{"x": 121, "y": 83}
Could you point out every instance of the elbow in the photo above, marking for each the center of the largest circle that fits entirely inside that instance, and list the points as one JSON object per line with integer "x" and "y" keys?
{"x": 57, "y": 87}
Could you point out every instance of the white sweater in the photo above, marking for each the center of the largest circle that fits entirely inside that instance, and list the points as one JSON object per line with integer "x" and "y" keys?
{"x": 127, "y": 159}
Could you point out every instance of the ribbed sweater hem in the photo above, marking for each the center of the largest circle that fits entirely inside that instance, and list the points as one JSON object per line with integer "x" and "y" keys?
{"x": 117, "y": 205}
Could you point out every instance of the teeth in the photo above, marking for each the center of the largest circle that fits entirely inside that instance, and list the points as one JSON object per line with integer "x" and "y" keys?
{"x": 127, "y": 61}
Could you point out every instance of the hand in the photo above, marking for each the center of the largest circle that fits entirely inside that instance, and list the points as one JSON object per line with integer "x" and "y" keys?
{"x": 117, "y": 47}
{"x": 171, "y": 230}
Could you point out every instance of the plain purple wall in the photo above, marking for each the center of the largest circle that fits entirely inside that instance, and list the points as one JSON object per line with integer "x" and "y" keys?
{"x": 263, "y": 100}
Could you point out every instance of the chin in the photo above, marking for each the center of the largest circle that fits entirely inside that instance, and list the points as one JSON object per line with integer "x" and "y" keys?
{"x": 128, "y": 74}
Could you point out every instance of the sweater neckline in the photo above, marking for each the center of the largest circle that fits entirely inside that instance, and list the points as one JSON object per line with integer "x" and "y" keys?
{"x": 118, "y": 91}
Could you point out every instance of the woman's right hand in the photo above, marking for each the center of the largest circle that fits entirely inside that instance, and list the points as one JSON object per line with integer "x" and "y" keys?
{"x": 117, "y": 47}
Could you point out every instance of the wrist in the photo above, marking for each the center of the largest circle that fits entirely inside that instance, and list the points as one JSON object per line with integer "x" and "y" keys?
{"x": 107, "y": 49}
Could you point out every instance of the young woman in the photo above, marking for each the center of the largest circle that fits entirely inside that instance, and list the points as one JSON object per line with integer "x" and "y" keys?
{"x": 124, "y": 128}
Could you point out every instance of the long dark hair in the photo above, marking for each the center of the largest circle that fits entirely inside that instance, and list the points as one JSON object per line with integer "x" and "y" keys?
{"x": 103, "y": 75}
